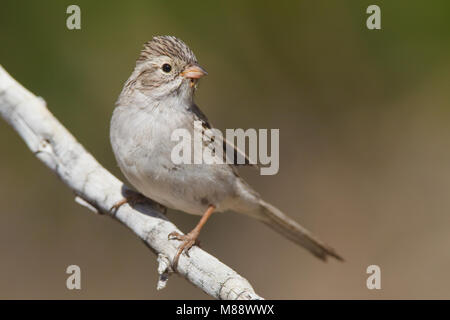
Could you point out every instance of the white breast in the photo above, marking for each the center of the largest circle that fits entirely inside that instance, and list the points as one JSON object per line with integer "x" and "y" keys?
{"x": 141, "y": 140}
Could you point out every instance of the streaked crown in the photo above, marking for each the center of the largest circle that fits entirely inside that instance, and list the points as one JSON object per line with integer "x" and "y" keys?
{"x": 167, "y": 46}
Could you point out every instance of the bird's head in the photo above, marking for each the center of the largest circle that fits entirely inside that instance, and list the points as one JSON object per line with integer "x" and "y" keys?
{"x": 166, "y": 67}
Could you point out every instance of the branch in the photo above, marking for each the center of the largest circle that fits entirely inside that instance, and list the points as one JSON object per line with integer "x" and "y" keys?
{"x": 99, "y": 190}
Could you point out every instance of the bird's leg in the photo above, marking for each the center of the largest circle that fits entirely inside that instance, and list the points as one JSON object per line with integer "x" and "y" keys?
{"x": 131, "y": 197}
{"x": 190, "y": 239}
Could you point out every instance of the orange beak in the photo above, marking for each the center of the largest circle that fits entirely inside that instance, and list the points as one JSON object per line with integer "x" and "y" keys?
{"x": 194, "y": 72}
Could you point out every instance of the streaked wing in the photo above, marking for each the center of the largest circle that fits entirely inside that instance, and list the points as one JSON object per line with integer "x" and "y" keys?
{"x": 211, "y": 140}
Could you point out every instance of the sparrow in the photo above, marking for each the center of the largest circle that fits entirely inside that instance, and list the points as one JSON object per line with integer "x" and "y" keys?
{"x": 157, "y": 99}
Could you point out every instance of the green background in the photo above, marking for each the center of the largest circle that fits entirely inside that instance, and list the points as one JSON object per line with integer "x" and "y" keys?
{"x": 364, "y": 143}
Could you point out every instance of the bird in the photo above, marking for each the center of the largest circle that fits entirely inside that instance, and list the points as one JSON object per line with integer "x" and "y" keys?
{"x": 157, "y": 99}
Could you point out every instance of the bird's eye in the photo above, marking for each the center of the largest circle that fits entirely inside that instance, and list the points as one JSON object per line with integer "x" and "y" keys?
{"x": 166, "y": 67}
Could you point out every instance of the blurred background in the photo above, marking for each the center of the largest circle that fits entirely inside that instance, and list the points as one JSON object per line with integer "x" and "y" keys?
{"x": 364, "y": 143}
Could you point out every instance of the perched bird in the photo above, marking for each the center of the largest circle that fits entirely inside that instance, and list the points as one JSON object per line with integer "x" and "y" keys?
{"x": 159, "y": 98}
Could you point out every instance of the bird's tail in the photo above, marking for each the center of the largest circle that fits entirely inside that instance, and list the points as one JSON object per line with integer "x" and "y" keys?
{"x": 281, "y": 223}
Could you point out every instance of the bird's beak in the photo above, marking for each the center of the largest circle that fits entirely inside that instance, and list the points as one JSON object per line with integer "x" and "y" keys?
{"x": 194, "y": 72}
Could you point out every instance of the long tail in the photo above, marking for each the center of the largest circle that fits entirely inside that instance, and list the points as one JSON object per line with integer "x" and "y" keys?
{"x": 281, "y": 223}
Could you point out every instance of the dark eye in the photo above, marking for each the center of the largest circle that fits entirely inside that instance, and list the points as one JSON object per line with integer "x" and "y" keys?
{"x": 166, "y": 67}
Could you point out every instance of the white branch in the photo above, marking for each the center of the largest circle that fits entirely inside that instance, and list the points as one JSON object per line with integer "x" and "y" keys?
{"x": 99, "y": 190}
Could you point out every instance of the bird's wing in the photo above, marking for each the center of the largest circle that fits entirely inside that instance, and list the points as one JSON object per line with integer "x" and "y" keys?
{"x": 211, "y": 141}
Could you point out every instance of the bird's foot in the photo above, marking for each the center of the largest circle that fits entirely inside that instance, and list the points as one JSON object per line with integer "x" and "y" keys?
{"x": 130, "y": 197}
{"x": 188, "y": 241}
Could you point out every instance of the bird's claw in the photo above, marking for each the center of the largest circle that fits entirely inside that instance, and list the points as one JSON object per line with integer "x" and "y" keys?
{"x": 174, "y": 236}
{"x": 188, "y": 241}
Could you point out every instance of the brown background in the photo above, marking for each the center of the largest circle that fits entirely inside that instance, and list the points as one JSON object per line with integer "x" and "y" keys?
{"x": 364, "y": 143}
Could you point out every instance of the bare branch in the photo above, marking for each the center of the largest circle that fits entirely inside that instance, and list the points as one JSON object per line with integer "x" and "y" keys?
{"x": 99, "y": 190}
